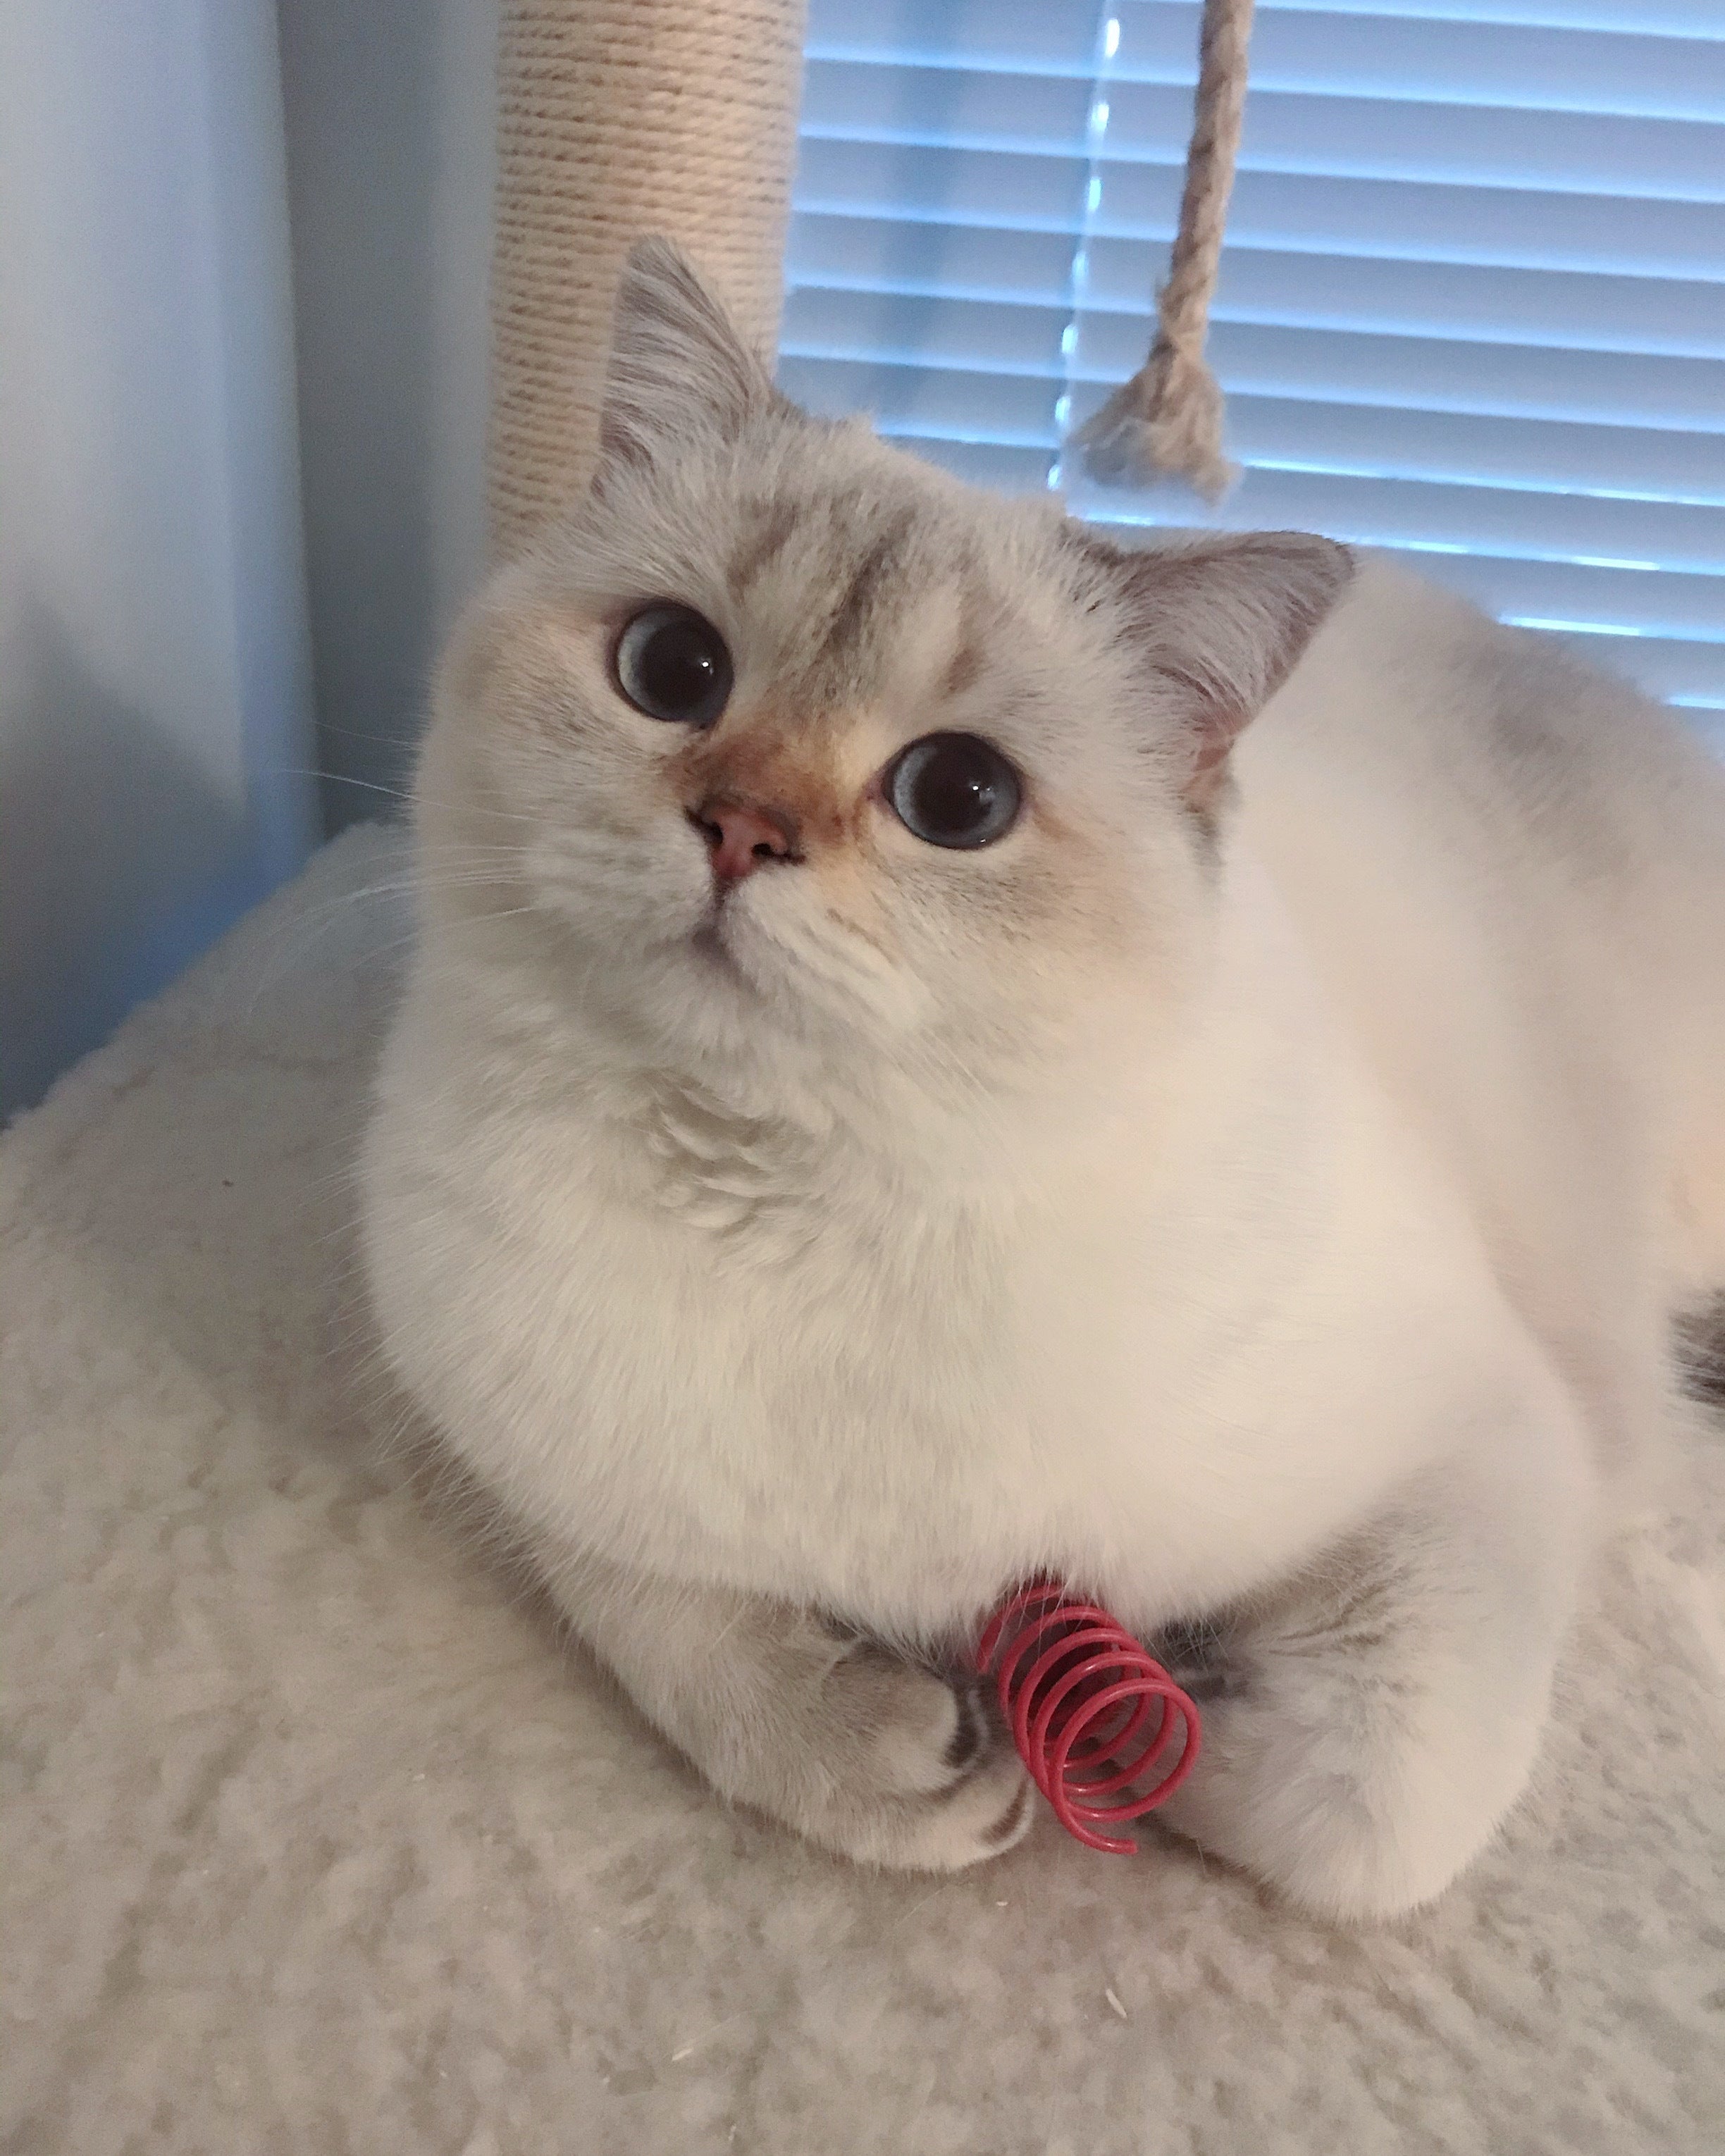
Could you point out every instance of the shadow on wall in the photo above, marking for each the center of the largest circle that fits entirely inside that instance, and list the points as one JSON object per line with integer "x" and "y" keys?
{"x": 105, "y": 827}
{"x": 389, "y": 108}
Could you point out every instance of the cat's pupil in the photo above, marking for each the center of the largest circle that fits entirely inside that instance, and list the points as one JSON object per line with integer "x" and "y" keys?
{"x": 671, "y": 664}
{"x": 679, "y": 666}
{"x": 954, "y": 790}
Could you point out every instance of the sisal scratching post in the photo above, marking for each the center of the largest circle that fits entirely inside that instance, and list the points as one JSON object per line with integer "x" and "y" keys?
{"x": 615, "y": 119}
{"x": 1167, "y": 421}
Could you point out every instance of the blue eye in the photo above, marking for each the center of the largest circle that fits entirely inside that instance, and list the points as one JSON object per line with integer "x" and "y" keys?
{"x": 954, "y": 790}
{"x": 672, "y": 664}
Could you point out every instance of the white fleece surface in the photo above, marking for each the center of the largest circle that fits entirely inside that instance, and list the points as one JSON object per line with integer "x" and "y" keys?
{"x": 317, "y": 1840}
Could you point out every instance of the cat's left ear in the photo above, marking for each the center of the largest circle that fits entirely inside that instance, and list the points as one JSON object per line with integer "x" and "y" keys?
{"x": 1223, "y": 622}
{"x": 677, "y": 367}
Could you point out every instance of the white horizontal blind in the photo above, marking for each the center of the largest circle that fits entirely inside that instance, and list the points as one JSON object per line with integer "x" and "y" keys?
{"x": 1472, "y": 306}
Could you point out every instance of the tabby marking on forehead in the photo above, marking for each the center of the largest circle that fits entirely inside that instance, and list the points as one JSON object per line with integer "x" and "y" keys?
{"x": 969, "y": 655}
{"x": 764, "y": 543}
{"x": 871, "y": 583}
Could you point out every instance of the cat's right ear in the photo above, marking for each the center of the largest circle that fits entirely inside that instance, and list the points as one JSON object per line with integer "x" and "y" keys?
{"x": 1219, "y": 622}
{"x": 677, "y": 367}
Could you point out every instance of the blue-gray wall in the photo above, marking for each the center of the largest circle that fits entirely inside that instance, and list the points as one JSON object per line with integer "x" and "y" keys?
{"x": 154, "y": 694}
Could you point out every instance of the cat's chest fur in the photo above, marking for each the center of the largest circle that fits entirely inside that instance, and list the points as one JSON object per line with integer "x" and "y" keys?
{"x": 733, "y": 1351}
{"x": 713, "y": 1341}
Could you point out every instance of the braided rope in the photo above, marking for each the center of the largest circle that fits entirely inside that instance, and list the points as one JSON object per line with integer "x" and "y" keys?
{"x": 615, "y": 119}
{"x": 1168, "y": 419}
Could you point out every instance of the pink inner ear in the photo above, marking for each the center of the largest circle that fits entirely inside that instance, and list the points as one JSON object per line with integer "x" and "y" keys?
{"x": 1215, "y": 739}
{"x": 1215, "y": 729}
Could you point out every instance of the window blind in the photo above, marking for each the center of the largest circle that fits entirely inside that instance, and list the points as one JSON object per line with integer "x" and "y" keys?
{"x": 1472, "y": 307}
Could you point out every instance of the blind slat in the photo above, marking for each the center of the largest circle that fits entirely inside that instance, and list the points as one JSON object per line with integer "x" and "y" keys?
{"x": 1502, "y": 228}
{"x": 1669, "y": 470}
{"x": 1335, "y": 52}
{"x": 1564, "y": 309}
{"x": 1334, "y": 136}
{"x": 1472, "y": 63}
{"x": 1444, "y": 520}
{"x": 1502, "y": 380}
{"x": 1672, "y": 18}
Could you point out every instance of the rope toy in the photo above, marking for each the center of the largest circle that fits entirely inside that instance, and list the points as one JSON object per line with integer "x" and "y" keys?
{"x": 1166, "y": 420}
{"x": 1090, "y": 1711}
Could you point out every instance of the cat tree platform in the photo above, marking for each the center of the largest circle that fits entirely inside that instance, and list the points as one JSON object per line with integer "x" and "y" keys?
{"x": 318, "y": 1840}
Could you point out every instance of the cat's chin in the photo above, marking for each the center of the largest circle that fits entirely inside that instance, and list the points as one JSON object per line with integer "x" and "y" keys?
{"x": 748, "y": 987}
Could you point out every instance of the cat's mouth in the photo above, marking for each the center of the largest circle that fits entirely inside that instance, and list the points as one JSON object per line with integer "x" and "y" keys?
{"x": 711, "y": 944}
{"x": 708, "y": 940}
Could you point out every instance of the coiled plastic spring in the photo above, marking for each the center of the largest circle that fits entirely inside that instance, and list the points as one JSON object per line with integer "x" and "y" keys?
{"x": 1091, "y": 1713}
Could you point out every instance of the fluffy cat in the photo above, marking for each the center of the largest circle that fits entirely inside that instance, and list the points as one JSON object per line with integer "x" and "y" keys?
{"x": 900, "y": 1087}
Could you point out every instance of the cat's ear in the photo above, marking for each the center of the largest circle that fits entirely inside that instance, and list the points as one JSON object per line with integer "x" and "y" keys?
{"x": 1222, "y": 621}
{"x": 677, "y": 366}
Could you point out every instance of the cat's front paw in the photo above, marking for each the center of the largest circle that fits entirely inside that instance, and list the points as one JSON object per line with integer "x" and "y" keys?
{"x": 876, "y": 1755}
{"x": 915, "y": 1769}
{"x": 1350, "y": 1783}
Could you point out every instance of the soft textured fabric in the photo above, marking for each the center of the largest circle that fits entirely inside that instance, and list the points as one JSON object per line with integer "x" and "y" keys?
{"x": 318, "y": 1840}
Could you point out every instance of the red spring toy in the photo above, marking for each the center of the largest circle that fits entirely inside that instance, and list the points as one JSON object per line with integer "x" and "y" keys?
{"x": 1091, "y": 1713}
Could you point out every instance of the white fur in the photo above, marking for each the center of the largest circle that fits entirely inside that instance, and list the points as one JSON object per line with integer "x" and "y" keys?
{"x": 1288, "y": 1237}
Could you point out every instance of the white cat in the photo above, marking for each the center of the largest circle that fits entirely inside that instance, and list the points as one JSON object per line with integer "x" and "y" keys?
{"x": 891, "y": 1098}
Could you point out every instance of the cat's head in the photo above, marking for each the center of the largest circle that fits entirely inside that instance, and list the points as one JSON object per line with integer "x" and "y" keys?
{"x": 784, "y": 748}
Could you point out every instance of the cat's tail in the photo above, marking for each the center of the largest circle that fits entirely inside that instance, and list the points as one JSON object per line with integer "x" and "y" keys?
{"x": 1701, "y": 1352}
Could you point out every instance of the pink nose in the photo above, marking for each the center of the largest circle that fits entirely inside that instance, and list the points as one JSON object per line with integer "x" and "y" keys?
{"x": 741, "y": 839}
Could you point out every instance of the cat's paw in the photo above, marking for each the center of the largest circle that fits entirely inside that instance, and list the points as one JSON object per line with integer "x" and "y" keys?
{"x": 918, "y": 1772}
{"x": 1309, "y": 1830}
{"x": 1349, "y": 1788}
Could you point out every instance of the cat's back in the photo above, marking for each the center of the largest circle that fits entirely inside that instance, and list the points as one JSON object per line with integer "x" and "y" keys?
{"x": 1429, "y": 782}
{"x": 1414, "y": 713}
{"x": 1511, "y": 869}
